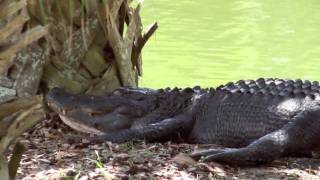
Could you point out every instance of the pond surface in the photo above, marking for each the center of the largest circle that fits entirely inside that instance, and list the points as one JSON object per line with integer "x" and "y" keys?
{"x": 209, "y": 42}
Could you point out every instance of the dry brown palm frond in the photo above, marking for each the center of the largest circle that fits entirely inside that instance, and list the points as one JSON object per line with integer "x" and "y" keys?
{"x": 17, "y": 114}
{"x": 85, "y": 46}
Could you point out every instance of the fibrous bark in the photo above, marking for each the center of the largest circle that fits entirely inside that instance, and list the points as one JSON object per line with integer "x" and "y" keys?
{"x": 84, "y": 46}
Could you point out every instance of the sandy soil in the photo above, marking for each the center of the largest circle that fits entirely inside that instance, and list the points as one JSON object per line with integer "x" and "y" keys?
{"x": 50, "y": 156}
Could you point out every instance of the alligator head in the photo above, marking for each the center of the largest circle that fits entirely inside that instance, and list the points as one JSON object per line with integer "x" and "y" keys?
{"x": 97, "y": 114}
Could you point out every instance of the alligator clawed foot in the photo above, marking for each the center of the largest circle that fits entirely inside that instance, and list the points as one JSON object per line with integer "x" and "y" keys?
{"x": 232, "y": 156}
{"x": 205, "y": 153}
{"x": 229, "y": 156}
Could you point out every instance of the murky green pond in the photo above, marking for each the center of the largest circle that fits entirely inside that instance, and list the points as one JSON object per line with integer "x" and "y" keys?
{"x": 208, "y": 42}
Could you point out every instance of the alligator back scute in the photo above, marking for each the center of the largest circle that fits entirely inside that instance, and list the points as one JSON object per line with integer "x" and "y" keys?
{"x": 274, "y": 87}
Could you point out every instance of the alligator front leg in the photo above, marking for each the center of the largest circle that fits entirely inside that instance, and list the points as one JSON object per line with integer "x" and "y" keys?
{"x": 300, "y": 135}
{"x": 162, "y": 130}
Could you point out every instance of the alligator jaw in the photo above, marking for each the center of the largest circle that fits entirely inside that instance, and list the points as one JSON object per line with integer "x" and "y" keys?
{"x": 76, "y": 125}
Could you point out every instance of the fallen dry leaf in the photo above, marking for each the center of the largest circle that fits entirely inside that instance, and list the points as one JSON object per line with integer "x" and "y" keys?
{"x": 49, "y": 156}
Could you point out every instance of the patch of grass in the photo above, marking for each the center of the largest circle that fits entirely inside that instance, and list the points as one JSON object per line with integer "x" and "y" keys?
{"x": 100, "y": 166}
{"x": 97, "y": 161}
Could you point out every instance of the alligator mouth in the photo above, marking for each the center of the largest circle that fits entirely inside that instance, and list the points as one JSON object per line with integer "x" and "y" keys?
{"x": 96, "y": 123}
{"x": 78, "y": 126}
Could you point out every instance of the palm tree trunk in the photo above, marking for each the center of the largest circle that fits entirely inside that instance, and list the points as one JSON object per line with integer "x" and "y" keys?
{"x": 84, "y": 46}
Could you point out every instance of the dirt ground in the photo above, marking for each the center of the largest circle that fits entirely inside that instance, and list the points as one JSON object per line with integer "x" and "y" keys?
{"x": 50, "y": 156}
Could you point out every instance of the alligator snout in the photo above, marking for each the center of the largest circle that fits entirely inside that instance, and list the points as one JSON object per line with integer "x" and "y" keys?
{"x": 63, "y": 102}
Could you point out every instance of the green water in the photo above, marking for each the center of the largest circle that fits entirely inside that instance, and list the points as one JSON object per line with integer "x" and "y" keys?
{"x": 209, "y": 42}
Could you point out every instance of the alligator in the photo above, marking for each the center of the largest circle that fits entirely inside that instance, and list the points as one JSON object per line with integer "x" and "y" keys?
{"x": 257, "y": 121}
